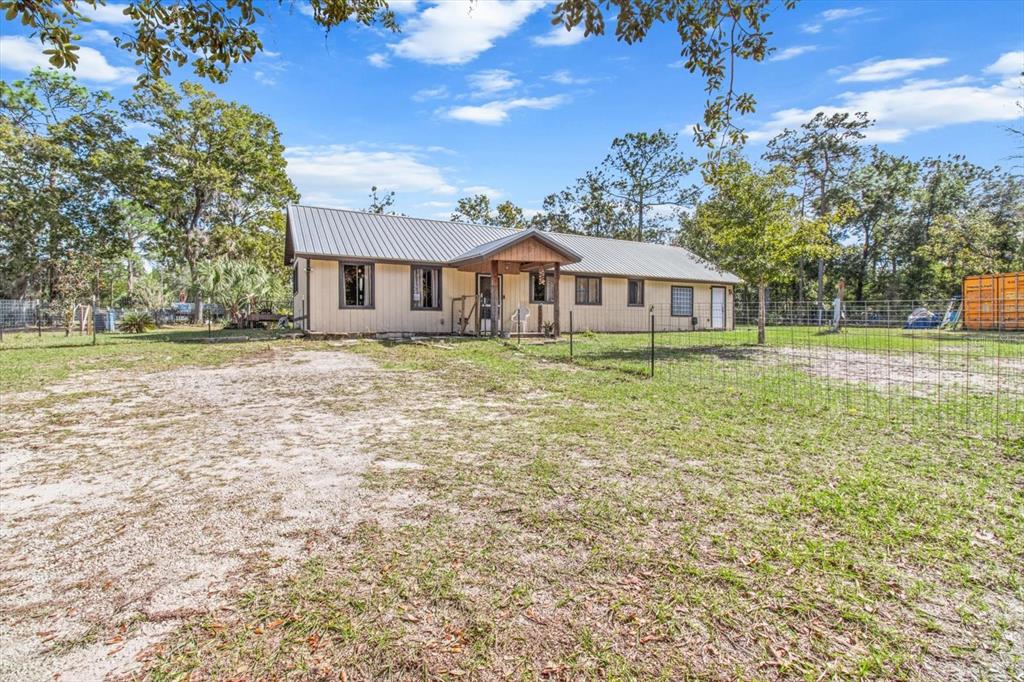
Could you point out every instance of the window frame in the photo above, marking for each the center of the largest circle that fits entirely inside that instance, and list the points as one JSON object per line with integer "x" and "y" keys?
{"x": 371, "y": 276}
{"x": 549, "y": 287}
{"x": 600, "y": 290}
{"x": 671, "y": 301}
{"x": 439, "y": 298}
{"x": 641, "y": 287}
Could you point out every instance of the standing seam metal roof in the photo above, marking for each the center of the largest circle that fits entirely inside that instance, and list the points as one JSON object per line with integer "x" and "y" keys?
{"x": 339, "y": 233}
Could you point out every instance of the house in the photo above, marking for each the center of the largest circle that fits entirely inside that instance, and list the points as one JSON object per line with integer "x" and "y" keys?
{"x": 365, "y": 273}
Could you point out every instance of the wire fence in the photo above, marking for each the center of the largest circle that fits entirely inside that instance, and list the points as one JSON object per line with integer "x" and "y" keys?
{"x": 36, "y": 315}
{"x": 898, "y": 365}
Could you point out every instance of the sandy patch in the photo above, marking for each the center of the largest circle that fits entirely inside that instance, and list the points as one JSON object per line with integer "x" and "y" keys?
{"x": 153, "y": 498}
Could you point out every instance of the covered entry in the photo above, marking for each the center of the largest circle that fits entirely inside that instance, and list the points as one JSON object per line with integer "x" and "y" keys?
{"x": 527, "y": 251}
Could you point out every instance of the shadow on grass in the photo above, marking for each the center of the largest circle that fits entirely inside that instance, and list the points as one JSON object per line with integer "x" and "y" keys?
{"x": 636, "y": 361}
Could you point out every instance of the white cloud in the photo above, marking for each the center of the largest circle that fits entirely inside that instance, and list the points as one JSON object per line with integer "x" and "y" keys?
{"x": 98, "y": 35}
{"x": 496, "y": 113}
{"x": 913, "y": 107}
{"x": 425, "y": 94}
{"x": 327, "y": 174}
{"x": 402, "y": 6}
{"x": 492, "y": 81}
{"x": 832, "y": 15}
{"x": 307, "y": 9}
{"x": 491, "y": 192}
{"x": 456, "y": 32}
{"x": 791, "y": 52}
{"x": 22, "y": 54}
{"x": 843, "y": 13}
{"x": 888, "y": 69}
{"x": 378, "y": 60}
{"x": 564, "y": 77}
{"x": 1009, "y": 64}
{"x": 559, "y": 37}
{"x": 111, "y": 13}
{"x": 263, "y": 78}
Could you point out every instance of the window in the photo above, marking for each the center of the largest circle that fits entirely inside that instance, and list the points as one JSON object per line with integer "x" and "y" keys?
{"x": 356, "y": 285}
{"x": 636, "y": 292}
{"x": 542, "y": 287}
{"x": 426, "y": 288}
{"x": 682, "y": 301}
{"x": 588, "y": 291}
{"x": 295, "y": 278}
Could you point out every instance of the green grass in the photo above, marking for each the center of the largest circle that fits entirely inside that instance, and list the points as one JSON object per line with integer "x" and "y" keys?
{"x": 616, "y": 527}
{"x": 582, "y": 521}
{"x": 28, "y": 360}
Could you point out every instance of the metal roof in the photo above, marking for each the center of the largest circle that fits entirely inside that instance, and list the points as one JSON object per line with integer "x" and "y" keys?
{"x": 338, "y": 233}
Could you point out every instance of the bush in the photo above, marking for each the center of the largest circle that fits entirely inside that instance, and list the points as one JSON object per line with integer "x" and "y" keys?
{"x": 136, "y": 322}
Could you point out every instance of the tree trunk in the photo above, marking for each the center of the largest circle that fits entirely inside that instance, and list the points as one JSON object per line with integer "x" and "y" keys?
{"x": 762, "y": 311}
{"x": 131, "y": 282}
{"x": 640, "y": 226}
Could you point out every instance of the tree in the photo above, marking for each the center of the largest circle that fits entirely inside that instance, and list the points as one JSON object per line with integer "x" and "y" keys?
{"x": 646, "y": 171}
{"x": 64, "y": 158}
{"x": 823, "y": 152}
{"x": 211, "y": 163}
{"x": 380, "y": 203}
{"x": 477, "y": 209}
{"x": 584, "y": 208}
{"x": 752, "y": 227}
{"x": 214, "y": 34}
{"x": 880, "y": 191}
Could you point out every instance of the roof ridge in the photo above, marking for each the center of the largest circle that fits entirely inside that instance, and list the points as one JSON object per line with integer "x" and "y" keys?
{"x": 493, "y": 227}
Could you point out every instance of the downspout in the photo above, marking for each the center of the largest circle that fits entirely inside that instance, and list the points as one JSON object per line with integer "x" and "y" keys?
{"x": 309, "y": 306}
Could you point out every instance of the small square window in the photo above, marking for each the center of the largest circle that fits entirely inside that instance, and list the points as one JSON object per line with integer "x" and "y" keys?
{"x": 426, "y": 288}
{"x": 588, "y": 291}
{"x": 682, "y": 301}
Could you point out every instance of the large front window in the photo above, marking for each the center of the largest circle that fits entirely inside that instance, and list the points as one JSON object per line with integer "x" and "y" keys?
{"x": 426, "y": 288}
{"x": 588, "y": 291}
{"x": 682, "y": 301}
{"x": 542, "y": 287}
{"x": 356, "y": 285}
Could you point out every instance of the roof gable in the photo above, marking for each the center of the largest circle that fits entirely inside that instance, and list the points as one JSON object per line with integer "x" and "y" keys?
{"x": 510, "y": 246}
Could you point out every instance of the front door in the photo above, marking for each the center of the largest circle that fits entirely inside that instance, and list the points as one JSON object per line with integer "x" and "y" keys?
{"x": 718, "y": 307}
{"x": 483, "y": 288}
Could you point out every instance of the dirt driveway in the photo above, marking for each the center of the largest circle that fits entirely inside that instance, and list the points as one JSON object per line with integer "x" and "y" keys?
{"x": 133, "y": 501}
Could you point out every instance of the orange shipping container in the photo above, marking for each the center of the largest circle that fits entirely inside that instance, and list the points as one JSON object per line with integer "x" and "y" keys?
{"x": 994, "y": 301}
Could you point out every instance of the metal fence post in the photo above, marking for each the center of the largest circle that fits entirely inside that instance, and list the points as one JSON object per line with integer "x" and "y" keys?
{"x": 94, "y": 320}
{"x": 652, "y": 345}
{"x": 570, "y": 337}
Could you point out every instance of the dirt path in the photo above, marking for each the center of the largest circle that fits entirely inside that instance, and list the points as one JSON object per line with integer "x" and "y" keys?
{"x": 154, "y": 497}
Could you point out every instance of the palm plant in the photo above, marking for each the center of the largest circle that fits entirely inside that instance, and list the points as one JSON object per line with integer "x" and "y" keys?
{"x": 238, "y": 286}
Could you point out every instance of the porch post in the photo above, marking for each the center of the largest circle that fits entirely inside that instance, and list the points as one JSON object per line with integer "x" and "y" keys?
{"x": 495, "y": 298}
{"x": 558, "y": 316}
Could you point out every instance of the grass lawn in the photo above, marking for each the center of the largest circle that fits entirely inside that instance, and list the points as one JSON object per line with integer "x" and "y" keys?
{"x": 580, "y": 521}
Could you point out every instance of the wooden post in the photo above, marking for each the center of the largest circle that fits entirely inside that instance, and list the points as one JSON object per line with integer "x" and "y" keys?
{"x": 558, "y": 315}
{"x": 495, "y": 298}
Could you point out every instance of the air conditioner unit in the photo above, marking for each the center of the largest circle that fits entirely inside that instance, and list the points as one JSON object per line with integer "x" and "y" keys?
{"x": 694, "y": 321}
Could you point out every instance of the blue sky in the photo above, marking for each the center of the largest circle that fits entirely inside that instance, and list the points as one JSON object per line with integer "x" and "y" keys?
{"x": 494, "y": 100}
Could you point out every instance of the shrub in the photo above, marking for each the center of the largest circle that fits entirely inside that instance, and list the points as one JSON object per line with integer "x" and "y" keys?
{"x": 136, "y": 322}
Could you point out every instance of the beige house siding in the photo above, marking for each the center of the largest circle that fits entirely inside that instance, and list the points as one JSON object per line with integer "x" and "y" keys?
{"x": 392, "y": 313}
